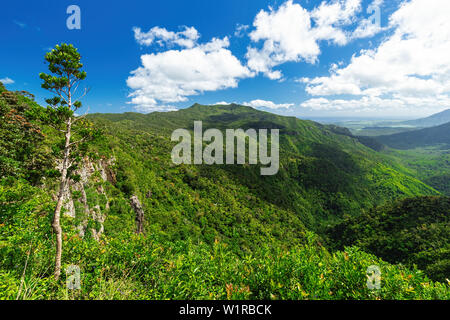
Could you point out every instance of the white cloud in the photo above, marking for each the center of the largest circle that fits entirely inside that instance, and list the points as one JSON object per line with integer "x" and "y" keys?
{"x": 289, "y": 33}
{"x": 361, "y": 104}
{"x": 240, "y": 30}
{"x": 331, "y": 17}
{"x": 221, "y": 103}
{"x": 292, "y": 33}
{"x": 267, "y": 104}
{"x": 377, "y": 106}
{"x": 186, "y": 38}
{"x": 171, "y": 76}
{"x": 372, "y": 25}
{"x": 7, "y": 81}
{"x": 20, "y": 24}
{"x": 410, "y": 68}
{"x": 258, "y": 104}
{"x": 366, "y": 29}
{"x": 286, "y": 34}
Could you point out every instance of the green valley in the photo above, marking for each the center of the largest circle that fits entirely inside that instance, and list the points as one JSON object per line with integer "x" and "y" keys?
{"x": 210, "y": 231}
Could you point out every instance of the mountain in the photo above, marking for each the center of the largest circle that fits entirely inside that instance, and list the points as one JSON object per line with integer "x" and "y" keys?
{"x": 373, "y": 128}
{"x": 309, "y": 152}
{"x": 210, "y": 231}
{"x": 431, "y": 121}
{"x": 439, "y": 135}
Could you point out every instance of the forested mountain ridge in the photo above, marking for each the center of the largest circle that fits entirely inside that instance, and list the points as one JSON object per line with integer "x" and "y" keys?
{"x": 432, "y": 136}
{"x": 308, "y": 153}
{"x": 210, "y": 232}
{"x": 431, "y": 121}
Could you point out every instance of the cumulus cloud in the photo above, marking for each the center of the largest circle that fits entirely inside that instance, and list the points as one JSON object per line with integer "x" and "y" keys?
{"x": 240, "y": 30}
{"x": 221, "y": 103}
{"x": 267, "y": 104}
{"x": 331, "y": 17}
{"x": 259, "y": 104}
{"x": 292, "y": 33}
{"x": 289, "y": 33}
{"x": 7, "y": 81}
{"x": 372, "y": 25}
{"x": 411, "y": 67}
{"x": 186, "y": 38}
{"x": 286, "y": 36}
{"x": 399, "y": 106}
{"x": 171, "y": 76}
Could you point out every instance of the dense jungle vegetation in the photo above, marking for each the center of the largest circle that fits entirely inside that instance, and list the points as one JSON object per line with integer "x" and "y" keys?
{"x": 335, "y": 208}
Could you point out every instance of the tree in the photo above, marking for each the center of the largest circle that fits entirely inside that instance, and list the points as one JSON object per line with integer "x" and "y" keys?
{"x": 64, "y": 62}
{"x": 21, "y": 151}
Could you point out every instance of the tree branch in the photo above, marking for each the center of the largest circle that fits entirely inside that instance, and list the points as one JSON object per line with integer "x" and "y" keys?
{"x": 81, "y": 117}
{"x": 77, "y": 142}
{"x": 86, "y": 91}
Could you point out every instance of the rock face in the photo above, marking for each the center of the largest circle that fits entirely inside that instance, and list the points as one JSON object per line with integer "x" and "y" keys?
{"x": 137, "y": 207}
{"x": 91, "y": 174}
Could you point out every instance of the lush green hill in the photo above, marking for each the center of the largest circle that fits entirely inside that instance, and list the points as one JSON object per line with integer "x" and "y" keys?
{"x": 217, "y": 232}
{"x": 431, "y": 121}
{"x": 410, "y": 231}
{"x": 430, "y": 164}
{"x": 309, "y": 152}
{"x": 439, "y": 135}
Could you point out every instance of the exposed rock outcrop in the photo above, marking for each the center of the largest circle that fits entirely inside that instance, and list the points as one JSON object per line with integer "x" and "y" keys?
{"x": 87, "y": 178}
{"x": 137, "y": 207}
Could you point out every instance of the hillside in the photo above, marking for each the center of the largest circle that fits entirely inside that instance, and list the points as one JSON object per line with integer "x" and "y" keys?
{"x": 429, "y": 164}
{"x": 439, "y": 135}
{"x": 309, "y": 151}
{"x": 431, "y": 121}
{"x": 411, "y": 231}
{"x": 210, "y": 232}
{"x": 374, "y": 128}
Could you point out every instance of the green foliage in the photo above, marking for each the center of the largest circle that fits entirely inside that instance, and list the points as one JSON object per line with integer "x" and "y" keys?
{"x": 440, "y": 182}
{"x": 136, "y": 267}
{"x": 430, "y": 164}
{"x": 22, "y": 149}
{"x": 24, "y": 229}
{"x": 413, "y": 231}
{"x": 64, "y": 62}
{"x": 212, "y": 232}
{"x": 324, "y": 171}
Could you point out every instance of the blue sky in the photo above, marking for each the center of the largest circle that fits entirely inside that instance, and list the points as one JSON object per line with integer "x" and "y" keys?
{"x": 288, "y": 57}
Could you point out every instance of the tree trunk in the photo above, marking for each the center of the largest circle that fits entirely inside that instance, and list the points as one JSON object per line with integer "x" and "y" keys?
{"x": 62, "y": 186}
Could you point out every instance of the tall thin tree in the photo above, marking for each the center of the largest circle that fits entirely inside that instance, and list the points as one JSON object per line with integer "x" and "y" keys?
{"x": 64, "y": 63}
